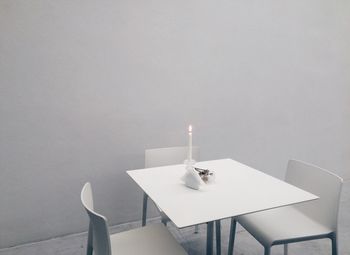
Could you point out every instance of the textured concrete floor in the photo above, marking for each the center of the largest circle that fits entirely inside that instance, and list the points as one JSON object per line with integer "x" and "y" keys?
{"x": 195, "y": 243}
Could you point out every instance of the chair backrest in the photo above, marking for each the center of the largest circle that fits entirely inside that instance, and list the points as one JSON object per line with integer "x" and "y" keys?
{"x": 169, "y": 156}
{"x": 324, "y": 184}
{"x": 99, "y": 229}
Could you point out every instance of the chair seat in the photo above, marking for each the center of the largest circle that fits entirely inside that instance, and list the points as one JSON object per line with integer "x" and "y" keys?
{"x": 285, "y": 223}
{"x": 154, "y": 239}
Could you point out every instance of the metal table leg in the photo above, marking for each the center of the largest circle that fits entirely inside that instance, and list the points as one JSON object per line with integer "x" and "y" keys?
{"x": 232, "y": 236}
{"x": 218, "y": 237}
{"x": 144, "y": 209}
{"x": 210, "y": 228}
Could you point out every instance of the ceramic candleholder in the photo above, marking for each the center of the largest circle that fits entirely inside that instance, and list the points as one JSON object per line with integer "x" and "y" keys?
{"x": 191, "y": 177}
{"x": 206, "y": 175}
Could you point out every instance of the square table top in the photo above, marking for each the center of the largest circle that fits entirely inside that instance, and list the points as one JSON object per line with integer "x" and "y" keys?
{"x": 237, "y": 189}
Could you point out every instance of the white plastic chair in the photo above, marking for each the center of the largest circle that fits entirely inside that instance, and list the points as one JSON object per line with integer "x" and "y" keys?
{"x": 306, "y": 221}
{"x": 154, "y": 239}
{"x": 169, "y": 156}
{"x": 163, "y": 157}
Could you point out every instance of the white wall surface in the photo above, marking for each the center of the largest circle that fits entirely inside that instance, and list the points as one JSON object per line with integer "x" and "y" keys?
{"x": 87, "y": 85}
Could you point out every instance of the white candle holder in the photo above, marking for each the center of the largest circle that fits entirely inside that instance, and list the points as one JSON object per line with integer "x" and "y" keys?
{"x": 191, "y": 177}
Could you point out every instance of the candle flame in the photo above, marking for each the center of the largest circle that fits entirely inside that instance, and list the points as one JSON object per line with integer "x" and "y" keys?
{"x": 190, "y": 128}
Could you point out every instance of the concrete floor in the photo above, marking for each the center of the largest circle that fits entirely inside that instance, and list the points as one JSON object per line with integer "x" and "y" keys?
{"x": 195, "y": 243}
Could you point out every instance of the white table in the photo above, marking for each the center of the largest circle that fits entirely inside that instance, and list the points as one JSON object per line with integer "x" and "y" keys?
{"x": 238, "y": 189}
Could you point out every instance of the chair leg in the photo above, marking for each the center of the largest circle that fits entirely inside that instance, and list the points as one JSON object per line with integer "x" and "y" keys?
{"x": 196, "y": 229}
{"x": 89, "y": 250}
{"x": 210, "y": 227}
{"x": 334, "y": 244}
{"x": 218, "y": 237}
{"x": 164, "y": 221}
{"x": 285, "y": 249}
{"x": 89, "y": 241}
{"x": 232, "y": 236}
{"x": 144, "y": 209}
{"x": 267, "y": 250}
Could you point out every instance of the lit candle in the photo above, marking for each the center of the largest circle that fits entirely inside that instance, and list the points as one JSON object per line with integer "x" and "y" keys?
{"x": 190, "y": 143}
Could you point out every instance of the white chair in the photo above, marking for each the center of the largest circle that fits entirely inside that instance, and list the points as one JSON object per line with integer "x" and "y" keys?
{"x": 151, "y": 240}
{"x": 163, "y": 157}
{"x": 169, "y": 156}
{"x": 306, "y": 221}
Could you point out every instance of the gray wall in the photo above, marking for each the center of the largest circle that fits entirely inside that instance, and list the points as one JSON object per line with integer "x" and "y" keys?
{"x": 87, "y": 85}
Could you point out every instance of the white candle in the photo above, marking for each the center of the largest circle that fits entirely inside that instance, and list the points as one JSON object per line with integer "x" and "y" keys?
{"x": 190, "y": 143}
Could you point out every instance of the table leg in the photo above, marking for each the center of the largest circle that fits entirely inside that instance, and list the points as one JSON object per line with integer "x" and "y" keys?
{"x": 144, "y": 209}
{"x": 210, "y": 229}
{"x": 218, "y": 237}
{"x": 232, "y": 236}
